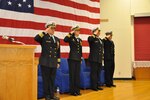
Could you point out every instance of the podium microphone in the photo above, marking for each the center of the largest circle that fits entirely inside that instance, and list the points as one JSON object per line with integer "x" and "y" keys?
{"x": 8, "y": 38}
{"x": 12, "y": 40}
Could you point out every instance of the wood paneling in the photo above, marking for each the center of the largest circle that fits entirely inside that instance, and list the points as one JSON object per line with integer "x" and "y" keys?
{"x": 18, "y": 75}
{"x": 142, "y": 73}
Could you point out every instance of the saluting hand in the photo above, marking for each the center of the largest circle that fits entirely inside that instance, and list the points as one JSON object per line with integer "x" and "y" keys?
{"x": 71, "y": 32}
{"x": 47, "y": 29}
{"x": 95, "y": 33}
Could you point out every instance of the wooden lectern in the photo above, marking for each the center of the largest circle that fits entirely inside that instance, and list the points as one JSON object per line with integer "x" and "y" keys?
{"x": 18, "y": 75}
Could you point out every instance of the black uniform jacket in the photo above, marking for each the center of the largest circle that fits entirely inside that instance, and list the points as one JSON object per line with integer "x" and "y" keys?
{"x": 109, "y": 51}
{"x": 75, "y": 47}
{"x": 96, "y": 49}
{"x": 50, "y": 55}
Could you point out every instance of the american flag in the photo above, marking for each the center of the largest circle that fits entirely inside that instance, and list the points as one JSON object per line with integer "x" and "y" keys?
{"x": 23, "y": 19}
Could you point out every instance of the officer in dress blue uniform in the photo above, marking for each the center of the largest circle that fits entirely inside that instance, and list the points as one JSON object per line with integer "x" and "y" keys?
{"x": 95, "y": 58}
{"x": 74, "y": 59}
{"x": 49, "y": 59}
{"x": 109, "y": 54}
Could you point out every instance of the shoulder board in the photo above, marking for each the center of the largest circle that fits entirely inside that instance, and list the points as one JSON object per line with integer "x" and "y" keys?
{"x": 41, "y": 34}
{"x": 68, "y": 35}
{"x": 93, "y": 36}
{"x": 104, "y": 39}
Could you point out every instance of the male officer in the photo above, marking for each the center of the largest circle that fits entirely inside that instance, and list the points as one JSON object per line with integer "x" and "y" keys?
{"x": 95, "y": 58}
{"x": 109, "y": 54}
{"x": 49, "y": 59}
{"x": 74, "y": 60}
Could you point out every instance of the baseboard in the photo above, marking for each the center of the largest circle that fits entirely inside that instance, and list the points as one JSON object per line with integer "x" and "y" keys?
{"x": 124, "y": 78}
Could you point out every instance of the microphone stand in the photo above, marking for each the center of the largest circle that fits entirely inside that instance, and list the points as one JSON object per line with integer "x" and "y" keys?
{"x": 12, "y": 40}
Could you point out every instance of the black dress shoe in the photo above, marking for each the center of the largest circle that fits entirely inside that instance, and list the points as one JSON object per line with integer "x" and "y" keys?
{"x": 100, "y": 88}
{"x": 74, "y": 94}
{"x": 113, "y": 85}
{"x": 95, "y": 89}
{"x": 108, "y": 86}
{"x": 47, "y": 97}
{"x": 78, "y": 93}
{"x": 56, "y": 98}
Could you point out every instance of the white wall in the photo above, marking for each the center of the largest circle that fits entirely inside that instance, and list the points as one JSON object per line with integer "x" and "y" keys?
{"x": 140, "y": 6}
{"x": 120, "y": 22}
{"x": 118, "y": 13}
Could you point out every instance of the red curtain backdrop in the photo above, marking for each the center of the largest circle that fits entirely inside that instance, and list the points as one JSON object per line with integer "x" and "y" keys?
{"x": 142, "y": 38}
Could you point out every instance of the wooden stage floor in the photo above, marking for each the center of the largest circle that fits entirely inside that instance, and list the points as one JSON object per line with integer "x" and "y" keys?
{"x": 125, "y": 90}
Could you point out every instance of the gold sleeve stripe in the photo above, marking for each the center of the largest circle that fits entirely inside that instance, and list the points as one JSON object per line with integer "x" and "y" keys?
{"x": 41, "y": 34}
{"x": 58, "y": 60}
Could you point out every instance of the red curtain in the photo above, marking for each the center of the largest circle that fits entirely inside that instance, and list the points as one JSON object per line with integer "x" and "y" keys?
{"x": 142, "y": 38}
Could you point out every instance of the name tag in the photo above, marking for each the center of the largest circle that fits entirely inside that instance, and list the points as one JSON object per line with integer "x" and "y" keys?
{"x": 96, "y": 41}
{"x": 73, "y": 40}
{"x": 48, "y": 41}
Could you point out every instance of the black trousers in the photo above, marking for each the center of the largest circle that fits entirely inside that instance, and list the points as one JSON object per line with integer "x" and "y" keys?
{"x": 48, "y": 75}
{"x": 74, "y": 75}
{"x": 109, "y": 67}
{"x": 95, "y": 74}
